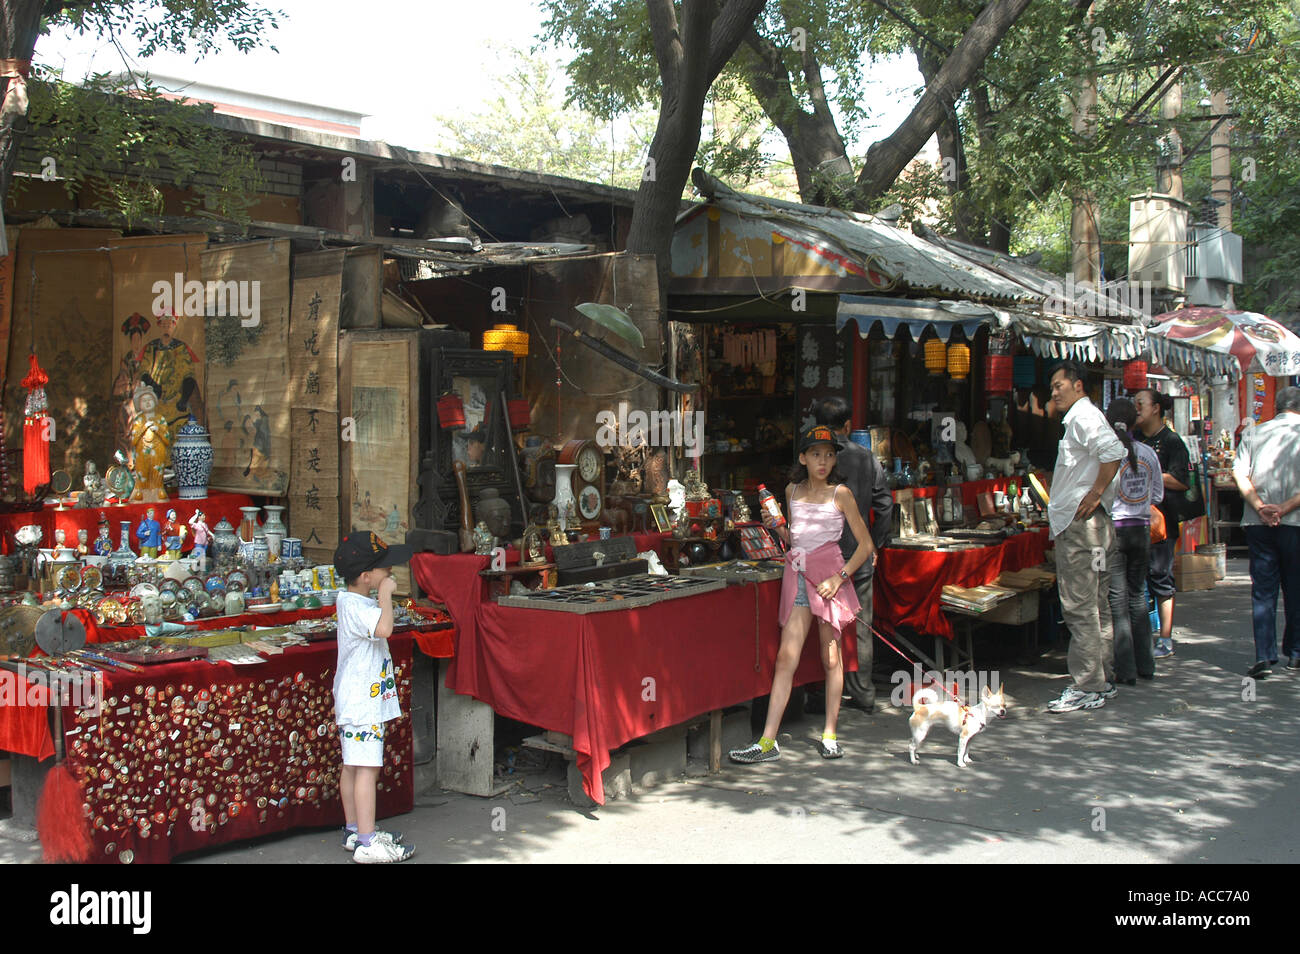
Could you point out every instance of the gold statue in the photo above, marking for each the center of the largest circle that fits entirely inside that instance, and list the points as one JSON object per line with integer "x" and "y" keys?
{"x": 151, "y": 443}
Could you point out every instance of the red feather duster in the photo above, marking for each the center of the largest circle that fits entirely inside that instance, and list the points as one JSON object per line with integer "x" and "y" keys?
{"x": 60, "y": 818}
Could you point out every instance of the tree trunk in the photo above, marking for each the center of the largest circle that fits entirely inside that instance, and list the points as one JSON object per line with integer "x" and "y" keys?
{"x": 20, "y": 22}
{"x": 690, "y": 57}
{"x": 887, "y": 159}
{"x": 952, "y": 153}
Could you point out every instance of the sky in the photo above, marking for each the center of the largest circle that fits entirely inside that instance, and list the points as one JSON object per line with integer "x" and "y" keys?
{"x": 400, "y": 64}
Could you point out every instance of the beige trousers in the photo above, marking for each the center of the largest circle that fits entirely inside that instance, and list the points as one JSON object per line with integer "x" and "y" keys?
{"x": 1083, "y": 554}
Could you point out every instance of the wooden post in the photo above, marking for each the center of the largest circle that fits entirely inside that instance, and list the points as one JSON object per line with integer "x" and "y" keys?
{"x": 715, "y": 740}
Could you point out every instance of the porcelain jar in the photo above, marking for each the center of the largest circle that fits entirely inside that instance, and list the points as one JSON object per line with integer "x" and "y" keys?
{"x": 225, "y": 544}
{"x": 192, "y": 460}
{"x": 275, "y": 530}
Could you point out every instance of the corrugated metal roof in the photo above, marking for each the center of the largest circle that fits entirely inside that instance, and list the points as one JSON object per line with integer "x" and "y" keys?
{"x": 922, "y": 265}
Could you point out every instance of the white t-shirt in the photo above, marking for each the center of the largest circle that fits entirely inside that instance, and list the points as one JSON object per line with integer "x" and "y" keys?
{"x": 1269, "y": 455}
{"x": 365, "y": 686}
{"x": 1137, "y": 489}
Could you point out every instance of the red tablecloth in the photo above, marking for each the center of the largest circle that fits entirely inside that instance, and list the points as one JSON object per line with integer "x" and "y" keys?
{"x": 262, "y": 756}
{"x": 909, "y": 582}
{"x": 214, "y": 506}
{"x": 971, "y": 489}
{"x": 586, "y": 676}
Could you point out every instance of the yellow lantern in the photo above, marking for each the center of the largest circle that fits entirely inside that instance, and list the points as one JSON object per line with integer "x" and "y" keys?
{"x": 935, "y": 359}
{"x": 958, "y": 361}
{"x": 506, "y": 338}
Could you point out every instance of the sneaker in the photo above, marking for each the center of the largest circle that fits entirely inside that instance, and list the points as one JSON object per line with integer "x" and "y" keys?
{"x": 1260, "y": 669}
{"x": 1111, "y": 690}
{"x": 830, "y": 749}
{"x": 382, "y": 850}
{"x": 350, "y": 841}
{"x": 1164, "y": 647}
{"x": 754, "y": 753}
{"x": 1073, "y": 698}
{"x": 1293, "y": 663}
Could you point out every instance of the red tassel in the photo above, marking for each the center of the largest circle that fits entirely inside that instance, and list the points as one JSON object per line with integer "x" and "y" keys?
{"x": 61, "y": 820}
{"x": 36, "y": 444}
{"x": 36, "y": 376}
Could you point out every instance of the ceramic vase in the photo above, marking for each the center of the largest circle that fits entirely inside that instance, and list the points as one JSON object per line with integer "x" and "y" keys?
{"x": 275, "y": 530}
{"x": 225, "y": 544}
{"x": 564, "y": 499}
{"x": 249, "y": 525}
{"x": 192, "y": 460}
{"x": 259, "y": 551}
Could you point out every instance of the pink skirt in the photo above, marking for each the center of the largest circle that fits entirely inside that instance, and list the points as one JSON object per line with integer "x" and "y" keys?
{"x": 826, "y": 561}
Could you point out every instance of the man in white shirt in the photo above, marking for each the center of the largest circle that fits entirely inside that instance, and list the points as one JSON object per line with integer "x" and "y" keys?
{"x": 1087, "y": 459}
{"x": 1267, "y": 469}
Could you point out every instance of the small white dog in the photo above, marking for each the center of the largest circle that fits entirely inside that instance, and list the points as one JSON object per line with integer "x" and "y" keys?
{"x": 965, "y": 722}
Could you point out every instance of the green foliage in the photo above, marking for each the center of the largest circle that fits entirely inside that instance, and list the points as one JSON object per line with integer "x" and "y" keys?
{"x": 127, "y": 140}
{"x": 178, "y": 26}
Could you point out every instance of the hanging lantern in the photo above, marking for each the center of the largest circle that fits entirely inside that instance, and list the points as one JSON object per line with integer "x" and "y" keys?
{"x": 997, "y": 373}
{"x": 958, "y": 361}
{"x": 521, "y": 415}
{"x": 36, "y": 434}
{"x": 506, "y": 338}
{"x": 936, "y": 358}
{"x": 451, "y": 412}
{"x": 1024, "y": 372}
{"x": 1135, "y": 375}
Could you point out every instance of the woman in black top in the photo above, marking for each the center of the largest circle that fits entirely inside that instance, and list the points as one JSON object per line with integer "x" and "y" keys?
{"x": 1175, "y": 464}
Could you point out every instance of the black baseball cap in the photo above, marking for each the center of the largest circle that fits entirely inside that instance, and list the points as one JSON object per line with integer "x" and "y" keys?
{"x": 362, "y": 550}
{"x": 821, "y": 434}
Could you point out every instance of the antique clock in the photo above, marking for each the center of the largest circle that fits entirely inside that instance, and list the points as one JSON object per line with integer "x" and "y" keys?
{"x": 588, "y": 477}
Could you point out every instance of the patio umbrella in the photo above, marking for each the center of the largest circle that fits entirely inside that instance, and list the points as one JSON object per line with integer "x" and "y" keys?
{"x": 1257, "y": 342}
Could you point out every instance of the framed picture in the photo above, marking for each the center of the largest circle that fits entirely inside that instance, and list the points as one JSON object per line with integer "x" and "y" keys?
{"x": 660, "y": 513}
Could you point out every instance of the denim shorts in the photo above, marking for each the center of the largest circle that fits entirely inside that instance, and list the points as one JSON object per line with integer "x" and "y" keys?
{"x": 800, "y": 594}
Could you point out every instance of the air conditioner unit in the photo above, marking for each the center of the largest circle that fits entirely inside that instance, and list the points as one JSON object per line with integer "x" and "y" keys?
{"x": 1158, "y": 230}
{"x": 1214, "y": 253}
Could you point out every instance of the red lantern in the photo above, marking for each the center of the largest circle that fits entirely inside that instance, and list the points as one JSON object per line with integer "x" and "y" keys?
{"x": 997, "y": 373}
{"x": 1135, "y": 375}
{"x": 521, "y": 415}
{"x": 451, "y": 412}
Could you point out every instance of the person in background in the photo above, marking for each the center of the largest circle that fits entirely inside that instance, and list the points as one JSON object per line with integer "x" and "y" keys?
{"x": 1175, "y": 468}
{"x": 1267, "y": 469}
{"x": 865, "y": 478}
{"x": 1087, "y": 460}
{"x": 1138, "y": 487}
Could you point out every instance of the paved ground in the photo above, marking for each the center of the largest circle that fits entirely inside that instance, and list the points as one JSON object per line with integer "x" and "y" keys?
{"x": 1179, "y": 770}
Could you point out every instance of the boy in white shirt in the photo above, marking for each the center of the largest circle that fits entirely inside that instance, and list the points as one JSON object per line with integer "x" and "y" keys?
{"x": 365, "y": 689}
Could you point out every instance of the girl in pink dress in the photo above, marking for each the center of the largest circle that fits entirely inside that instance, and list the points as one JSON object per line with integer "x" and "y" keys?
{"x": 812, "y": 586}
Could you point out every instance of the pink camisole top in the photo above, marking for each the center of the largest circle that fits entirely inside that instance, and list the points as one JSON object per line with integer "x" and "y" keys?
{"x": 813, "y": 525}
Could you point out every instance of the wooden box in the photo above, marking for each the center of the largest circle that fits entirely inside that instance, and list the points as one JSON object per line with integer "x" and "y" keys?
{"x": 1194, "y": 572}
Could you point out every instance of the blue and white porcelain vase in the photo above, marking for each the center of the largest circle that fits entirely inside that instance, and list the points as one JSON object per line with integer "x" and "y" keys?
{"x": 192, "y": 460}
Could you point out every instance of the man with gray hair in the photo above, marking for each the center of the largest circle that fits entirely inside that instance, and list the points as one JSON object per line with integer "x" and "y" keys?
{"x": 1267, "y": 469}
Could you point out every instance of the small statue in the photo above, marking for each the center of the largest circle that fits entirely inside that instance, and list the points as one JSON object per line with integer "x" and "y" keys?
{"x": 553, "y": 528}
{"x": 149, "y": 534}
{"x": 740, "y": 512}
{"x": 151, "y": 443}
{"x": 570, "y": 515}
{"x": 172, "y": 536}
{"x": 696, "y": 489}
{"x": 103, "y": 545}
{"x": 94, "y": 484}
{"x": 60, "y": 551}
{"x": 483, "y": 539}
{"x": 202, "y": 536}
{"x": 83, "y": 547}
{"x": 534, "y": 549}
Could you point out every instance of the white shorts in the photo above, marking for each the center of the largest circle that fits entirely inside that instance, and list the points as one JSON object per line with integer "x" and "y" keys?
{"x": 362, "y": 744}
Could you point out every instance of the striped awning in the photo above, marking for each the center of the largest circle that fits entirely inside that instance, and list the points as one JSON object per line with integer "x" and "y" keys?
{"x": 891, "y": 314}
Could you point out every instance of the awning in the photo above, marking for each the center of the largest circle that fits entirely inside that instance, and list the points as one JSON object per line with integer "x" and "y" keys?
{"x": 1075, "y": 339}
{"x": 940, "y": 316}
{"x": 1224, "y": 342}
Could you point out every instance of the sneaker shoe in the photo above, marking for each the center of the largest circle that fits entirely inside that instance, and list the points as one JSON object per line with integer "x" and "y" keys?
{"x": 1073, "y": 698}
{"x": 1293, "y": 663}
{"x": 1164, "y": 647}
{"x": 1259, "y": 670}
{"x": 382, "y": 850}
{"x": 754, "y": 753}
{"x": 830, "y": 749}
{"x": 1111, "y": 690}
{"x": 350, "y": 841}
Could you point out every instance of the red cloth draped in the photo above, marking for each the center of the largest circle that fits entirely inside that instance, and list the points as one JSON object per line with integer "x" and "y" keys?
{"x": 910, "y": 582}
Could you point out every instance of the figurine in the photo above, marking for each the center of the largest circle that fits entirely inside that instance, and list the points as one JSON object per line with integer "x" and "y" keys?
{"x": 149, "y": 535}
{"x": 696, "y": 489}
{"x": 534, "y": 550}
{"x": 151, "y": 443}
{"x": 553, "y": 528}
{"x": 83, "y": 547}
{"x": 60, "y": 545}
{"x": 201, "y": 537}
{"x": 103, "y": 545}
{"x": 94, "y": 484}
{"x": 172, "y": 536}
{"x": 740, "y": 512}
{"x": 483, "y": 539}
